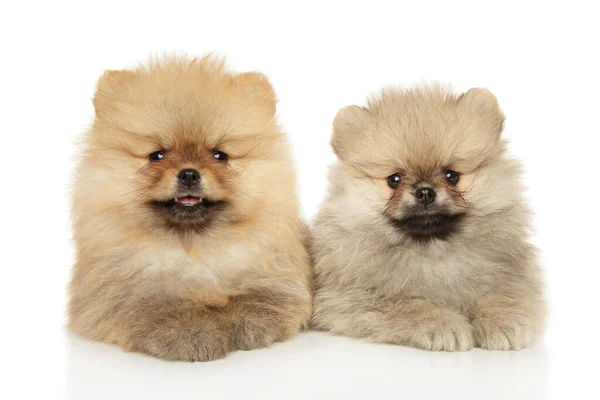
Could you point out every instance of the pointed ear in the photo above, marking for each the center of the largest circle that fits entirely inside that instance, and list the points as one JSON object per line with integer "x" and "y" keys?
{"x": 347, "y": 126}
{"x": 109, "y": 88}
{"x": 258, "y": 86}
{"x": 483, "y": 105}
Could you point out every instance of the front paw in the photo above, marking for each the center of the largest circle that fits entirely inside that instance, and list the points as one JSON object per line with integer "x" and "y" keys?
{"x": 196, "y": 342}
{"x": 500, "y": 334}
{"x": 449, "y": 331}
{"x": 255, "y": 332}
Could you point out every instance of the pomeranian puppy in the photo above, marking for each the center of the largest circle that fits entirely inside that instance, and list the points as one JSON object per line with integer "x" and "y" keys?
{"x": 187, "y": 228}
{"x": 422, "y": 240}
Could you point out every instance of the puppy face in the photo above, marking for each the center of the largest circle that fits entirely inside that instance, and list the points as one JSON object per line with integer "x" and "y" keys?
{"x": 183, "y": 145}
{"x": 424, "y": 159}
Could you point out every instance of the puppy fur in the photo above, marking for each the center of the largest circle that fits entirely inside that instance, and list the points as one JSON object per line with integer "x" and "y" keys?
{"x": 455, "y": 274}
{"x": 151, "y": 276}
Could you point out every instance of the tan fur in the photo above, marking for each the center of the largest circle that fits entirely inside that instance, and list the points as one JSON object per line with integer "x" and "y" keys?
{"x": 480, "y": 286}
{"x": 238, "y": 278}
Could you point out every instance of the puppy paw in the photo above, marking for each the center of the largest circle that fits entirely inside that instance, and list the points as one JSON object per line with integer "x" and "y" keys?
{"x": 258, "y": 332}
{"x": 500, "y": 334}
{"x": 198, "y": 342}
{"x": 447, "y": 331}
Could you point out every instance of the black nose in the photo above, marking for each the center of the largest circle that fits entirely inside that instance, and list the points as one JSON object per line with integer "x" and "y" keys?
{"x": 189, "y": 177}
{"x": 425, "y": 195}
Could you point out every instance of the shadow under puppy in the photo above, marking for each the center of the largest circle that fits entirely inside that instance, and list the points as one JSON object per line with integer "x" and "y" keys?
{"x": 422, "y": 240}
{"x": 188, "y": 236}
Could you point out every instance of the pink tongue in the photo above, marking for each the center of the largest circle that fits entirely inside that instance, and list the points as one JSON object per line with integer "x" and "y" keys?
{"x": 188, "y": 201}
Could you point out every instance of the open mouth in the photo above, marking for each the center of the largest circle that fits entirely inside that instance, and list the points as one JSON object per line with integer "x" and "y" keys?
{"x": 187, "y": 207}
{"x": 188, "y": 201}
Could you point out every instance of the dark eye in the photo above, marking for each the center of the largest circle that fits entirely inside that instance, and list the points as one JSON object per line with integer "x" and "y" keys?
{"x": 394, "y": 180}
{"x": 219, "y": 156}
{"x": 451, "y": 176}
{"x": 158, "y": 155}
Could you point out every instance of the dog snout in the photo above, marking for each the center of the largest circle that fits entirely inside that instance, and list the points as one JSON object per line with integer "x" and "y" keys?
{"x": 425, "y": 195}
{"x": 189, "y": 177}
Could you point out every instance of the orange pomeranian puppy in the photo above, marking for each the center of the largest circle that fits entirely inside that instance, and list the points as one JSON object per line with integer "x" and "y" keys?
{"x": 188, "y": 235}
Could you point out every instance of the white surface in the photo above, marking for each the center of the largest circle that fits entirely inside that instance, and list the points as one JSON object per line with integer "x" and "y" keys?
{"x": 539, "y": 59}
{"x": 313, "y": 365}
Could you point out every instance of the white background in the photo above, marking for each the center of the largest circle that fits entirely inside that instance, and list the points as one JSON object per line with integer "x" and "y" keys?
{"x": 539, "y": 58}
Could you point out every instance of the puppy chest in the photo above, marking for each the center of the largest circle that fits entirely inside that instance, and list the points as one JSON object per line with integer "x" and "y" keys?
{"x": 189, "y": 267}
{"x": 446, "y": 280}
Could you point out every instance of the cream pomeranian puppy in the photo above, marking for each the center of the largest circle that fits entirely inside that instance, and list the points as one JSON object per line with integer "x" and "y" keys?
{"x": 423, "y": 239}
{"x": 187, "y": 228}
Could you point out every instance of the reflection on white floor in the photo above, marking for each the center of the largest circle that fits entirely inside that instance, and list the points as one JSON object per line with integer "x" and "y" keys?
{"x": 312, "y": 366}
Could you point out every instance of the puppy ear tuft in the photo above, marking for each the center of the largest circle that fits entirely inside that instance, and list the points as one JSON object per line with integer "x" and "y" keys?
{"x": 482, "y": 104}
{"x": 110, "y": 86}
{"x": 258, "y": 86}
{"x": 347, "y": 125}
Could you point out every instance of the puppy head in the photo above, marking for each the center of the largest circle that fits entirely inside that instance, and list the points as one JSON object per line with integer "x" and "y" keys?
{"x": 425, "y": 159}
{"x": 183, "y": 144}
